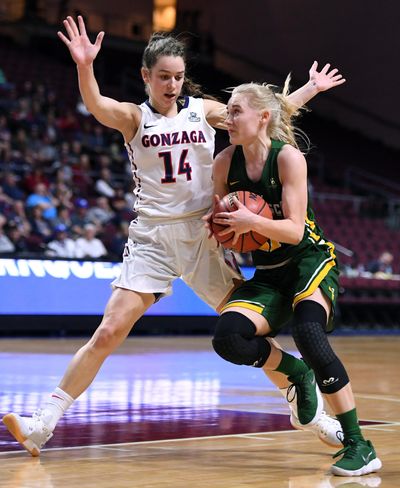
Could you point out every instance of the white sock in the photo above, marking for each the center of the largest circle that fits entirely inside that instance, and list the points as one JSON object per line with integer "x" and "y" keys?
{"x": 58, "y": 403}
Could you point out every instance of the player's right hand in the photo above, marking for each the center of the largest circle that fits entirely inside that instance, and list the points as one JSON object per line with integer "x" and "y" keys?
{"x": 83, "y": 52}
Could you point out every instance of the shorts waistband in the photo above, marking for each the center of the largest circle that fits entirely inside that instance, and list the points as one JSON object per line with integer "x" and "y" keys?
{"x": 171, "y": 219}
{"x": 273, "y": 266}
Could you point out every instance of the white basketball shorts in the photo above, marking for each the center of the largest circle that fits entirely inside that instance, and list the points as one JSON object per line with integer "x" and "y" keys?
{"x": 157, "y": 254}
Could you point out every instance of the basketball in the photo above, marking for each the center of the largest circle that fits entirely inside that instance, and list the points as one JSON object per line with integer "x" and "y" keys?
{"x": 249, "y": 241}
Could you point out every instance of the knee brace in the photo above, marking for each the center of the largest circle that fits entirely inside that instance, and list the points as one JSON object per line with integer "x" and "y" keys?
{"x": 310, "y": 338}
{"x": 235, "y": 341}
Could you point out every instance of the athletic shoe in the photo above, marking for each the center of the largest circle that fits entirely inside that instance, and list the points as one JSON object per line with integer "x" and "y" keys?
{"x": 326, "y": 428}
{"x": 358, "y": 458}
{"x": 32, "y": 433}
{"x": 309, "y": 402}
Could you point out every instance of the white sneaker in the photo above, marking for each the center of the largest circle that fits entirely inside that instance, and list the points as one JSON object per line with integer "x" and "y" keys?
{"x": 32, "y": 433}
{"x": 326, "y": 428}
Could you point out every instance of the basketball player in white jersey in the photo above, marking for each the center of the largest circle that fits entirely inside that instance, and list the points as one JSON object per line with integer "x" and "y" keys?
{"x": 170, "y": 142}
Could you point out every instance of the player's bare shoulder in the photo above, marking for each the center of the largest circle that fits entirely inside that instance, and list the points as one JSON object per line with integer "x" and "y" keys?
{"x": 224, "y": 157}
{"x": 291, "y": 161}
{"x": 222, "y": 162}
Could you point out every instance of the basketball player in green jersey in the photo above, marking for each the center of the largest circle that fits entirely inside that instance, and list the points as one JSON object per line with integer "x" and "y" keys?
{"x": 296, "y": 275}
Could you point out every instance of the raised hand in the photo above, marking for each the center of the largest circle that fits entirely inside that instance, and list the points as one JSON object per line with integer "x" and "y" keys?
{"x": 83, "y": 52}
{"x": 325, "y": 79}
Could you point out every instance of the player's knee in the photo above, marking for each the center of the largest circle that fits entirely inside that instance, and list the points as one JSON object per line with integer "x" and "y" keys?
{"x": 106, "y": 338}
{"x": 235, "y": 341}
{"x": 312, "y": 342}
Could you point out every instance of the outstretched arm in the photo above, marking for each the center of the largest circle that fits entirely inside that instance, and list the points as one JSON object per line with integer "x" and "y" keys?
{"x": 108, "y": 111}
{"x": 319, "y": 81}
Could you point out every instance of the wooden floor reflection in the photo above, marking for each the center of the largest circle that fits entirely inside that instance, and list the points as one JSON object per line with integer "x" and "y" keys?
{"x": 167, "y": 412}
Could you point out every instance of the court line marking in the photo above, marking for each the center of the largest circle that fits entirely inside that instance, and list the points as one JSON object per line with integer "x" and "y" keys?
{"x": 160, "y": 441}
{"x": 378, "y": 397}
{"x": 163, "y": 441}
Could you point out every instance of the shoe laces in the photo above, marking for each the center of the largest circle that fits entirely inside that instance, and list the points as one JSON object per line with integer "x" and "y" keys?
{"x": 39, "y": 421}
{"x": 349, "y": 450}
{"x": 291, "y": 388}
{"x": 38, "y": 415}
{"x": 323, "y": 421}
{"x": 301, "y": 389}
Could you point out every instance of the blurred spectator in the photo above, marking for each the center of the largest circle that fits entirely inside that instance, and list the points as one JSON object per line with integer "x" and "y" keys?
{"x": 5, "y": 139}
{"x": 68, "y": 123}
{"x": 75, "y": 152}
{"x": 20, "y": 142}
{"x": 47, "y": 153}
{"x": 63, "y": 217}
{"x": 17, "y": 238}
{"x": 6, "y": 246}
{"x": 35, "y": 177}
{"x": 81, "y": 175}
{"x": 118, "y": 240}
{"x": 123, "y": 206}
{"x": 62, "y": 246}
{"x": 5, "y": 201}
{"x": 62, "y": 195}
{"x": 381, "y": 267}
{"x": 96, "y": 139}
{"x": 11, "y": 188}
{"x": 42, "y": 198}
{"x": 101, "y": 213}
{"x": 18, "y": 215}
{"x": 89, "y": 246}
{"x": 40, "y": 227}
{"x": 105, "y": 185}
{"x": 79, "y": 216}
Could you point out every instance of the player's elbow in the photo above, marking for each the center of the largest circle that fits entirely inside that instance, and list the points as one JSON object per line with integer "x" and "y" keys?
{"x": 296, "y": 235}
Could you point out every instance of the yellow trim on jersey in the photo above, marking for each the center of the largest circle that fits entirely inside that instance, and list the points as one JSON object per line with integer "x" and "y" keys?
{"x": 315, "y": 282}
{"x": 256, "y": 307}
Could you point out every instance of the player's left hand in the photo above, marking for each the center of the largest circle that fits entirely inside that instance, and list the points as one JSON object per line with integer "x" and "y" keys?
{"x": 326, "y": 78}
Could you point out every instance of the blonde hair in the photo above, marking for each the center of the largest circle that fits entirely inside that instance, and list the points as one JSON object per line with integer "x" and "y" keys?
{"x": 263, "y": 96}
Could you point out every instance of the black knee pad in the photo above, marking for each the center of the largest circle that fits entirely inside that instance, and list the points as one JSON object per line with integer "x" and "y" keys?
{"x": 235, "y": 341}
{"x": 312, "y": 343}
{"x": 332, "y": 377}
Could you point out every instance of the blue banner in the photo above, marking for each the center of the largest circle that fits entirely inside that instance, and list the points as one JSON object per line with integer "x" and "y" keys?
{"x": 43, "y": 287}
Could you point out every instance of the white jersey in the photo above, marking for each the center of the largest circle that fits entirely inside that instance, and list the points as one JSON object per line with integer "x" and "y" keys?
{"x": 171, "y": 159}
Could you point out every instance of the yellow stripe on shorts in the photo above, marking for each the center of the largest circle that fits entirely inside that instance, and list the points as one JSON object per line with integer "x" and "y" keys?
{"x": 256, "y": 307}
{"x": 313, "y": 284}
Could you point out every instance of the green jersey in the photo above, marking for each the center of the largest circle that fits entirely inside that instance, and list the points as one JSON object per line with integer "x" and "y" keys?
{"x": 270, "y": 188}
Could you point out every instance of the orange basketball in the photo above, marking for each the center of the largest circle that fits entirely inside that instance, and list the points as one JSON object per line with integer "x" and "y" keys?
{"x": 249, "y": 241}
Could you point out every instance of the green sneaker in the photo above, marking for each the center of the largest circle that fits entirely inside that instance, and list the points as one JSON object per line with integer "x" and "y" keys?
{"x": 358, "y": 458}
{"x": 309, "y": 403}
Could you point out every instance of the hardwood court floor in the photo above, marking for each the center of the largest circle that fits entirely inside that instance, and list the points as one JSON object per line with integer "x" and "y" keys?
{"x": 167, "y": 412}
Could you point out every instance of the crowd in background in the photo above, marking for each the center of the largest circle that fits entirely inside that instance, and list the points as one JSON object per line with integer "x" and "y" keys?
{"x": 65, "y": 180}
